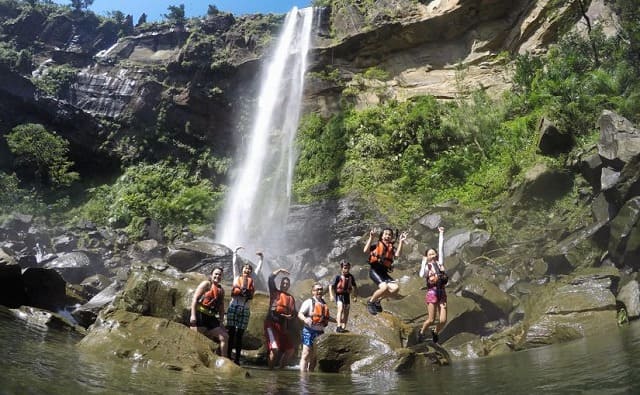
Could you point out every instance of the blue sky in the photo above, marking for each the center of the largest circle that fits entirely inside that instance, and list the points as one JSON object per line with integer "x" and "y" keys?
{"x": 156, "y": 8}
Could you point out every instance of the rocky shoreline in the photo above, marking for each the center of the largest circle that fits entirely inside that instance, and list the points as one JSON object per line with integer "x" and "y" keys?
{"x": 130, "y": 299}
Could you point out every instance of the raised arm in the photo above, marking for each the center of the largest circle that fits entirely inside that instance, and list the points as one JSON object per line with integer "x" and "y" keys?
{"x": 367, "y": 246}
{"x": 233, "y": 262}
{"x": 403, "y": 237}
{"x": 423, "y": 266}
{"x": 271, "y": 281}
{"x": 441, "y": 246}
{"x": 260, "y": 260}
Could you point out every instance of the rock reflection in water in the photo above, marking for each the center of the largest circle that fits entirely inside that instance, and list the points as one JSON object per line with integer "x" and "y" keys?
{"x": 40, "y": 361}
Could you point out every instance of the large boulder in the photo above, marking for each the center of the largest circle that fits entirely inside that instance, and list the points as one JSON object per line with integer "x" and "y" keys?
{"x": 629, "y": 296}
{"x": 45, "y": 288}
{"x": 164, "y": 292}
{"x": 338, "y": 353}
{"x": 201, "y": 255}
{"x": 495, "y": 303}
{"x": 146, "y": 250}
{"x": 87, "y": 313}
{"x": 346, "y": 353}
{"x": 77, "y": 265}
{"x": 42, "y": 319}
{"x": 552, "y": 141}
{"x": 578, "y": 306}
{"x": 159, "y": 291}
{"x": 619, "y": 139}
{"x": 12, "y": 293}
{"x": 582, "y": 248}
{"x": 624, "y": 241}
{"x": 158, "y": 342}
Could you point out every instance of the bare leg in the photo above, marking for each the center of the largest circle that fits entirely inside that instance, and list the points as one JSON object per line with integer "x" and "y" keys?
{"x": 271, "y": 360}
{"x": 380, "y": 293}
{"x": 304, "y": 358}
{"x": 286, "y": 356}
{"x": 339, "y": 316}
{"x": 443, "y": 316}
{"x": 345, "y": 314}
{"x": 431, "y": 314}
{"x": 312, "y": 360}
{"x": 392, "y": 289}
{"x": 221, "y": 334}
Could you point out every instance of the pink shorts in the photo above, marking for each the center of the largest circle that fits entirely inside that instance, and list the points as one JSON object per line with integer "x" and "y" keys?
{"x": 435, "y": 296}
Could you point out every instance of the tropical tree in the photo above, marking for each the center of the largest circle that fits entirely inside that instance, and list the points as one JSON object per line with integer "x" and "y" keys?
{"x": 41, "y": 155}
{"x": 176, "y": 14}
{"x": 79, "y": 5}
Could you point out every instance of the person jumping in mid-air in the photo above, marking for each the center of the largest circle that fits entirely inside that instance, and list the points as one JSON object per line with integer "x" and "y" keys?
{"x": 381, "y": 256}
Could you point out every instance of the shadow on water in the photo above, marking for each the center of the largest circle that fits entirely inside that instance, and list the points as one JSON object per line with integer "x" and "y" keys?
{"x": 37, "y": 361}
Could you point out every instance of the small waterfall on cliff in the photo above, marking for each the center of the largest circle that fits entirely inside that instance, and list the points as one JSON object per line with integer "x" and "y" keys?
{"x": 257, "y": 205}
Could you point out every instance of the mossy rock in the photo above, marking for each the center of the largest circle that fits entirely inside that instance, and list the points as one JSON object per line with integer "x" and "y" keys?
{"x": 155, "y": 342}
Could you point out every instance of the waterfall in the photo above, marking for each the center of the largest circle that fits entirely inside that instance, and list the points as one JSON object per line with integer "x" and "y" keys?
{"x": 257, "y": 204}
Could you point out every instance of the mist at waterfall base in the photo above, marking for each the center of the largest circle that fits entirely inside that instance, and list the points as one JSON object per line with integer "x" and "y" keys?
{"x": 40, "y": 361}
{"x": 257, "y": 204}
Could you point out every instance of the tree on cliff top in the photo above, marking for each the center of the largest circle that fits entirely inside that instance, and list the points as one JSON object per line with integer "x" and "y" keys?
{"x": 81, "y": 4}
{"x": 176, "y": 14}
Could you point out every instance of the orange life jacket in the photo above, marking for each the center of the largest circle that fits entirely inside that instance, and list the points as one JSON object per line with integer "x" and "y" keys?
{"x": 209, "y": 301}
{"x": 319, "y": 313}
{"x": 344, "y": 285}
{"x": 283, "y": 304}
{"x": 382, "y": 255}
{"x": 243, "y": 283}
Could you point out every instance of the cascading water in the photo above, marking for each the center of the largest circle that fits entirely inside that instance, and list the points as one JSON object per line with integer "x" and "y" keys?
{"x": 257, "y": 205}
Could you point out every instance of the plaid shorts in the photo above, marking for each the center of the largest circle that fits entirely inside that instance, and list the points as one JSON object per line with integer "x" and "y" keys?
{"x": 238, "y": 316}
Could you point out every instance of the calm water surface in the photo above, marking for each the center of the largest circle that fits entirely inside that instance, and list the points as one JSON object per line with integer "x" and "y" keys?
{"x": 46, "y": 362}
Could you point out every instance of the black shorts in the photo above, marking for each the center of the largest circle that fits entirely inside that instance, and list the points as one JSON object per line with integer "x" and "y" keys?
{"x": 208, "y": 321}
{"x": 344, "y": 298}
{"x": 379, "y": 274}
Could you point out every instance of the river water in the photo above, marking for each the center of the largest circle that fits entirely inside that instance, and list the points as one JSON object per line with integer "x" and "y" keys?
{"x": 36, "y": 361}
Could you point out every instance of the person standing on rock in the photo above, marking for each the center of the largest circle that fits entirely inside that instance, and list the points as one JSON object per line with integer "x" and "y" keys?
{"x": 314, "y": 313}
{"x": 207, "y": 310}
{"x": 340, "y": 290}
{"x": 239, "y": 311}
{"x": 282, "y": 308}
{"x": 433, "y": 271}
{"x": 381, "y": 256}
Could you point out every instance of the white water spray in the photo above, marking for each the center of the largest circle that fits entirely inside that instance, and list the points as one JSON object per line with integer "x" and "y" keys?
{"x": 257, "y": 205}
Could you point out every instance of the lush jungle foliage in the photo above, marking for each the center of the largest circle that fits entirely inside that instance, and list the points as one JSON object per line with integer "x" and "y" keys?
{"x": 166, "y": 192}
{"x": 411, "y": 155}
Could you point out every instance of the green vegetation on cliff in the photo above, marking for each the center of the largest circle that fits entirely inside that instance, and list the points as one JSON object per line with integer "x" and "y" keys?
{"x": 408, "y": 156}
{"x": 166, "y": 192}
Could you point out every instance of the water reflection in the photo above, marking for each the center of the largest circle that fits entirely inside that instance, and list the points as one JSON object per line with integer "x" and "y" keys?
{"x": 47, "y": 362}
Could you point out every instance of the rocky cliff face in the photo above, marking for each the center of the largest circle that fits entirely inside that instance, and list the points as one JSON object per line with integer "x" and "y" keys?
{"x": 162, "y": 91}
{"x": 443, "y": 48}
{"x": 166, "y": 90}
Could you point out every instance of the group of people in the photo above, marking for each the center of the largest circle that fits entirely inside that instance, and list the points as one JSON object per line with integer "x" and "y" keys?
{"x": 207, "y": 306}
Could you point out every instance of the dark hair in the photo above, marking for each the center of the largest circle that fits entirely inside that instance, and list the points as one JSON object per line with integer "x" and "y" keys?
{"x": 427, "y": 251}
{"x": 216, "y": 268}
{"x": 390, "y": 230}
{"x": 344, "y": 263}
